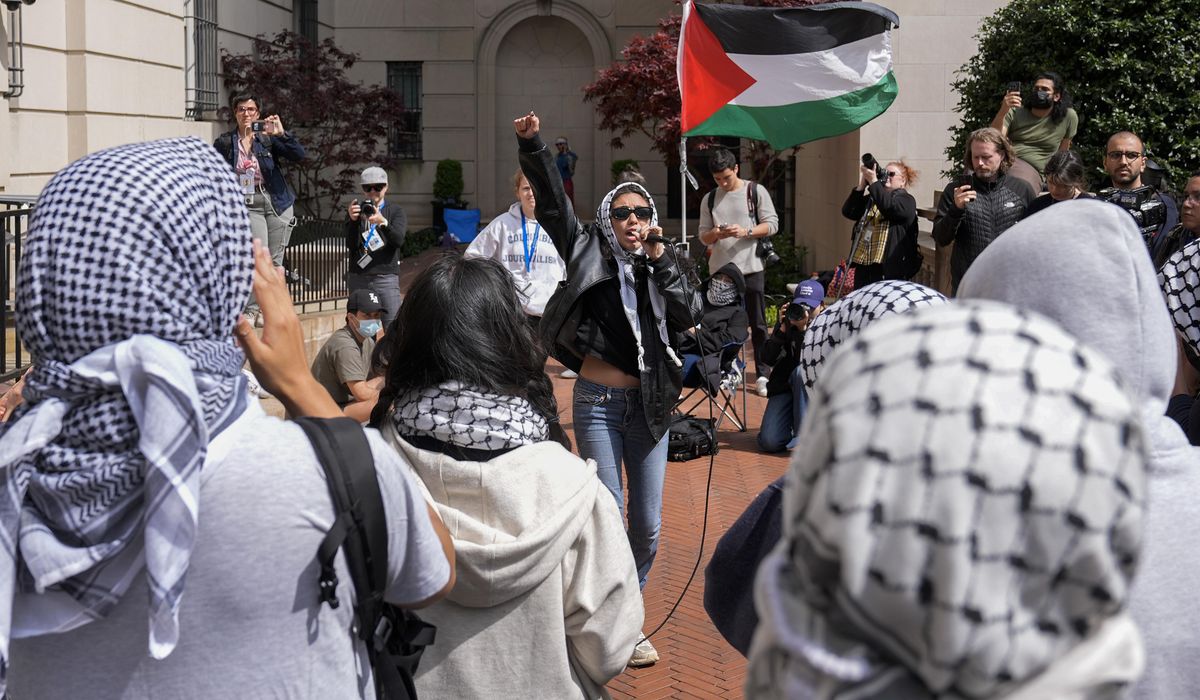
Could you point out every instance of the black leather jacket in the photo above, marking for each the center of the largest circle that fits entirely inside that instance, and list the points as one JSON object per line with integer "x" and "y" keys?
{"x": 589, "y": 262}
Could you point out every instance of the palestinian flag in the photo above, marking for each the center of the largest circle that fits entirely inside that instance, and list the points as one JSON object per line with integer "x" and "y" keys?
{"x": 784, "y": 75}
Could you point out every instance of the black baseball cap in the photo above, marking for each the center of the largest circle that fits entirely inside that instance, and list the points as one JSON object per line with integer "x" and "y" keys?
{"x": 364, "y": 300}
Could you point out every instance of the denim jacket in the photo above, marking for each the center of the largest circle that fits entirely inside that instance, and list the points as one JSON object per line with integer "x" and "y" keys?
{"x": 269, "y": 150}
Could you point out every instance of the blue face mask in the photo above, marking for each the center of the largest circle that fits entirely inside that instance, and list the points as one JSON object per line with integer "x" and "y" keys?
{"x": 369, "y": 327}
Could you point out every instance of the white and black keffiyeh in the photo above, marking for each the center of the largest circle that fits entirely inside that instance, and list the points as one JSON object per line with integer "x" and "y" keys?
{"x": 850, "y": 314}
{"x": 964, "y": 508}
{"x": 1180, "y": 282}
{"x": 466, "y": 417}
{"x": 135, "y": 268}
{"x": 625, "y": 275}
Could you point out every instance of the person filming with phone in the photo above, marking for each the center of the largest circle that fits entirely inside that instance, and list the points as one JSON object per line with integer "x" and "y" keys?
{"x": 980, "y": 204}
{"x": 1037, "y": 129}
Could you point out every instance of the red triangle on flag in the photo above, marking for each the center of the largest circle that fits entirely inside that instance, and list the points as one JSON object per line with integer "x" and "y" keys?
{"x": 710, "y": 80}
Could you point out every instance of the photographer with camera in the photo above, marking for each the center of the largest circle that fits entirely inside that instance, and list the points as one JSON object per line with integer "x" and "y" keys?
{"x": 787, "y": 399}
{"x": 1154, "y": 212}
{"x": 374, "y": 233}
{"x": 255, "y": 149}
{"x": 1037, "y": 130}
{"x": 736, "y": 220}
{"x": 885, "y": 235}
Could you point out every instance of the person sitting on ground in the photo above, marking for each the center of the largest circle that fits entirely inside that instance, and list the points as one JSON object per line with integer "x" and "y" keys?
{"x": 159, "y": 531}
{"x": 1084, "y": 265}
{"x": 786, "y": 398}
{"x": 542, "y": 553}
{"x": 1066, "y": 179}
{"x": 886, "y": 230}
{"x": 962, "y": 519}
{"x": 343, "y": 363}
{"x": 516, "y": 240}
{"x": 724, "y": 322}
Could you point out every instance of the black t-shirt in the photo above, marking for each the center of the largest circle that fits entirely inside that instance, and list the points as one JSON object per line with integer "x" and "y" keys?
{"x": 604, "y": 330}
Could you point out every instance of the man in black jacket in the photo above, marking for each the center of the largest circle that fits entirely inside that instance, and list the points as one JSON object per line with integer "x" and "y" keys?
{"x": 975, "y": 209}
{"x": 373, "y": 242}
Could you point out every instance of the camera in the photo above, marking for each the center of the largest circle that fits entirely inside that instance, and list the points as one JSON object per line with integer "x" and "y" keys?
{"x": 765, "y": 249}
{"x": 869, "y": 161}
{"x": 1147, "y": 210}
{"x": 797, "y": 312}
{"x": 366, "y": 209}
{"x": 257, "y": 126}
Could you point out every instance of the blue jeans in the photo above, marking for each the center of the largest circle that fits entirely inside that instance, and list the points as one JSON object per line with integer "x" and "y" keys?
{"x": 781, "y": 420}
{"x": 610, "y": 427}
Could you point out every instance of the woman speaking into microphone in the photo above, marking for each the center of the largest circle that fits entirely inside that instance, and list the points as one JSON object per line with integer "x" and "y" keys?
{"x": 616, "y": 321}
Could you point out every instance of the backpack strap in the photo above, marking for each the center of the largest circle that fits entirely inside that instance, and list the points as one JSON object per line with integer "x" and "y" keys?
{"x": 360, "y": 530}
{"x": 752, "y": 200}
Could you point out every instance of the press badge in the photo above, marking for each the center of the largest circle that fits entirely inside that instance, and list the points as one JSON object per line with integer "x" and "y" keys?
{"x": 371, "y": 241}
{"x": 246, "y": 180}
{"x": 364, "y": 260}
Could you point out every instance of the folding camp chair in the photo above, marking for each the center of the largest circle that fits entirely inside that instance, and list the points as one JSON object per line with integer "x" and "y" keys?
{"x": 733, "y": 368}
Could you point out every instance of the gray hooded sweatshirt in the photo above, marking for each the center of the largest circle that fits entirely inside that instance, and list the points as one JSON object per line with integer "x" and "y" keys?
{"x": 546, "y": 603}
{"x": 1083, "y": 264}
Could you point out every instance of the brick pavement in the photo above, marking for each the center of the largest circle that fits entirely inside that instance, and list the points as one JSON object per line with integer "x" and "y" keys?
{"x": 696, "y": 662}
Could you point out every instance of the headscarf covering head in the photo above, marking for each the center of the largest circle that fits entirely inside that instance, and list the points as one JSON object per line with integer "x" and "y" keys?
{"x": 1180, "y": 281}
{"x": 965, "y": 507}
{"x": 136, "y": 265}
{"x": 853, "y": 312}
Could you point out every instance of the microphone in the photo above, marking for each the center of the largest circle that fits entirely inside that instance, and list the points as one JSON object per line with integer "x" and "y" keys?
{"x": 658, "y": 239}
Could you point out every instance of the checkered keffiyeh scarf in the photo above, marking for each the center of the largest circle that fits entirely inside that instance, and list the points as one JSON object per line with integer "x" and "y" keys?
{"x": 1180, "y": 282}
{"x": 965, "y": 507}
{"x": 135, "y": 268}
{"x": 850, "y": 314}
{"x": 466, "y": 417}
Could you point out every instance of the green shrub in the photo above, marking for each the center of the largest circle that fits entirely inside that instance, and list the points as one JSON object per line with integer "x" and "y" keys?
{"x": 417, "y": 241}
{"x": 448, "y": 180}
{"x": 618, "y": 167}
{"x": 1128, "y": 66}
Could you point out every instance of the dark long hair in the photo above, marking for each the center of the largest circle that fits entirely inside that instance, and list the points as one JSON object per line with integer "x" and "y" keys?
{"x": 1067, "y": 168}
{"x": 462, "y": 321}
{"x": 1058, "y": 111}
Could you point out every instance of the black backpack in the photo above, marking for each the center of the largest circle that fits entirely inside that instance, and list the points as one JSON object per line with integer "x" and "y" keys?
{"x": 690, "y": 438}
{"x": 395, "y": 637}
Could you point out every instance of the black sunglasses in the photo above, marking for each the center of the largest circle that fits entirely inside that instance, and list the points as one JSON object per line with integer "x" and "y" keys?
{"x": 891, "y": 173}
{"x": 621, "y": 213}
{"x": 373, "y": 188}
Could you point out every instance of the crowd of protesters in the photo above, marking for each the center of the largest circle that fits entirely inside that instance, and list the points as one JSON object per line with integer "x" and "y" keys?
{"x": 987, "y": 496}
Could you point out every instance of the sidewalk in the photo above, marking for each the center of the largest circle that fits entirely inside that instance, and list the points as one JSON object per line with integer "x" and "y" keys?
{"x": 696, "y": 662}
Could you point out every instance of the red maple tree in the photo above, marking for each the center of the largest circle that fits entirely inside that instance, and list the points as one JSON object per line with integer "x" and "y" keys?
{"x": 341, "y": 124}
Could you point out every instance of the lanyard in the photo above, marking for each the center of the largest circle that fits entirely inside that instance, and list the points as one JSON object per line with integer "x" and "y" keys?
{"x": 529, "y": 250}
{"x": 371, "y": 231}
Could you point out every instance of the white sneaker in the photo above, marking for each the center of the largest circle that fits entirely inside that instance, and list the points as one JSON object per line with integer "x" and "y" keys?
{"x": 569, "y": 374}
{"x": 760, "y": 386}
{"x": 644, "y": 654}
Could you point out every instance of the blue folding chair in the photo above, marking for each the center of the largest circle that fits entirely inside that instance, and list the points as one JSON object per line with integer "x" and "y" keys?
{"x": 733, "y": 368}
{"x": 462, "y": 224}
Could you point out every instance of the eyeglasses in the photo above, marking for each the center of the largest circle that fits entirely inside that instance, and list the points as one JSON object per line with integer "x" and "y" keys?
{"x": 373, "y": 188}
{"x": 1193, "y": 197}
{"x": 621, "y": 213}
{"x": 247, "y": 110}
{"x": 1127, "y": 155}
{"x": 891, "y": 173}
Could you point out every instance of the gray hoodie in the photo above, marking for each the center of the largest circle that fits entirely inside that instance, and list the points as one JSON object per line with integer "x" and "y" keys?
{"x": 546, "y": 603}
{"x": 1083, "y": 264}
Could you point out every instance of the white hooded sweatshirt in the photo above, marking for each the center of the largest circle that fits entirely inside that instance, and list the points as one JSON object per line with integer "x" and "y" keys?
{"x": 546, "y": 604}
{"x": 501, "y": 241}
{"x": 1083, "y": 264}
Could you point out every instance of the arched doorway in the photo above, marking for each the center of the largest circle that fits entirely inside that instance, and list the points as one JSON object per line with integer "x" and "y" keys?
{"x": 542, "y": 64}
{"x": 539, "y": 56}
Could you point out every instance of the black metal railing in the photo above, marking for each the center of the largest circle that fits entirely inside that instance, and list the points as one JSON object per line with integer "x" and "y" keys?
{"x": 14, "y": 222}
{"x": 201, "y": 58}
{"x": 316, "y": 263}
